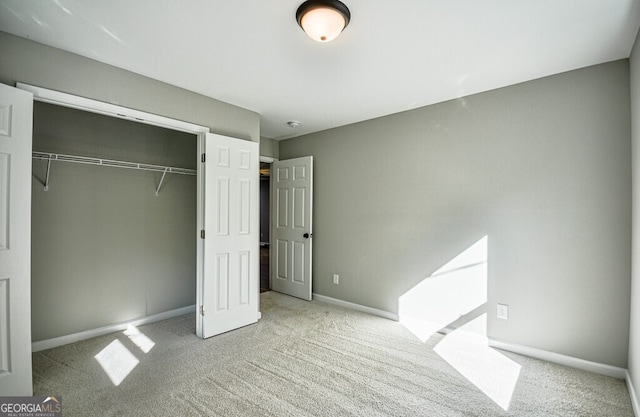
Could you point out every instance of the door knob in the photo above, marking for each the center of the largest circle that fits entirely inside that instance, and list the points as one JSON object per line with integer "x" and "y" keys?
{"x": 307, "y": 235}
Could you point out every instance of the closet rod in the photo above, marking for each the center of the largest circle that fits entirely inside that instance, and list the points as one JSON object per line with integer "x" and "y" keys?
{"x": 109, "y": 163}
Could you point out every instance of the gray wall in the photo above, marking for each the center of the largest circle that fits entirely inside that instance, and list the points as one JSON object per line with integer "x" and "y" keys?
{"x": 33, "y": 63}
{"x": 634, "y": 336}
{"x": 105, "y": 249}
{"x": 543, "y": 169}
{"x": 269, "y": 147}
{"x": 120, "y": 204}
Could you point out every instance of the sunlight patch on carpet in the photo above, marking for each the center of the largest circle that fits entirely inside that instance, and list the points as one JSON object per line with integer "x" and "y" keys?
{"x": 139, "y": 339}
{"x": 468, "y": 351}
{"x": 117, "y": 361}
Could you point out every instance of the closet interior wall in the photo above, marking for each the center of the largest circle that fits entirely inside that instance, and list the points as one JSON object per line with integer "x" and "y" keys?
{"x": 105, "y": 248}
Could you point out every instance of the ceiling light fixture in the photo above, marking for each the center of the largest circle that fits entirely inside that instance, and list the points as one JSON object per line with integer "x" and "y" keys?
{"x": 323, "y": 20}
{"x": 294, "y": 124}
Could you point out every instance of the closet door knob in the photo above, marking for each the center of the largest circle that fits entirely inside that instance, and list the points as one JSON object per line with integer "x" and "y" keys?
{"x": 307, "y": 235}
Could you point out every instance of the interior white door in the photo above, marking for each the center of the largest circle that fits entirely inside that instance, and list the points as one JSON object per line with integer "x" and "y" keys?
{"x": 230, "y": 281}
{"x": 16, "y": 115}
{"x": 291, "y": 228}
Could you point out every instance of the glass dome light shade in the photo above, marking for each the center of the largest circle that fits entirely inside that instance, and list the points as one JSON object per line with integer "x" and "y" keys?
{"x": 323, "y": 21}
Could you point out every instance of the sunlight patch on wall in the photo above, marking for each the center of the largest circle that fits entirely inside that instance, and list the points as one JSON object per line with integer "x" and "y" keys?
{"x": 448, "y": 296}
{"x": 117, "y": 361}
{"x": 469, "y": 353}
{"x": 456, "y": 289}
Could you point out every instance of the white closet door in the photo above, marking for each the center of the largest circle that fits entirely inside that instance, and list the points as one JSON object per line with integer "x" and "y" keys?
{"x": 16, "y": 115}
{"x": 230, "y": 287}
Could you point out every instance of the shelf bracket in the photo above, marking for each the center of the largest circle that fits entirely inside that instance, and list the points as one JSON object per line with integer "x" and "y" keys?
{"x": 46, "y": 181}
{"x": 161, "y": 180}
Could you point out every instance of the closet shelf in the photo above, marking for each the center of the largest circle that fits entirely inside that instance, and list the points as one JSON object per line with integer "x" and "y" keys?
{"x": 109, "y": 163}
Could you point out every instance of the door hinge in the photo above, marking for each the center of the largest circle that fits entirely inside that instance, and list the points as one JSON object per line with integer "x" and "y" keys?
{"x": 202, "y": 310}
{"x": 203, "y": 158}
{"x": 201, "y": 234}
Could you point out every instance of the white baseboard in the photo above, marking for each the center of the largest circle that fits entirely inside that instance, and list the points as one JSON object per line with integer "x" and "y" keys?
{"x": 357, "y": 307}
{"x": 632, "y": 394}
{"x": 598, "y": 368}
{"x": 88, "y": 334}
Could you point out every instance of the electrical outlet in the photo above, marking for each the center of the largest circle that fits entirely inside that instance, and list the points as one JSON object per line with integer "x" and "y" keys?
{"x": 336, "y": 279}
{"x": 503, "y": 311}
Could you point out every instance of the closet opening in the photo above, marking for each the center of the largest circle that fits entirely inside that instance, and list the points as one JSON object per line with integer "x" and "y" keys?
{"x": 111, "y": 242}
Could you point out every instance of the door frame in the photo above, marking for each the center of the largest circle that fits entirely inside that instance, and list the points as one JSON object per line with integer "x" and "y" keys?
{"x": 58, "y": 98}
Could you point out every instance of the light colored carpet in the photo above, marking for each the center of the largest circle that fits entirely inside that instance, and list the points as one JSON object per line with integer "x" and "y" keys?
{"x": 309, "y": 359}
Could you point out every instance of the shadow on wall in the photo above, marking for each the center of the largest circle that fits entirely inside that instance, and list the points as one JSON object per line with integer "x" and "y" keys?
{"x": 456, "y": 296}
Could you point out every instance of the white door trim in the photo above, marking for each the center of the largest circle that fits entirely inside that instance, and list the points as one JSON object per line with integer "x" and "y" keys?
{"x": 114, "y": 110}
{"x": 268, "y": 159}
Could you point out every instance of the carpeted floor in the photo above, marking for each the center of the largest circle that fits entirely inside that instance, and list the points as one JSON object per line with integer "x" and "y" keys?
{"x": 311, "y": 359}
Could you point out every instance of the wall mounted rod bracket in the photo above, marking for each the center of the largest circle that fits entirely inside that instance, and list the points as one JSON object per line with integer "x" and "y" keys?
{"x": 161, "y": 180}
{"x": 46, "y": 181}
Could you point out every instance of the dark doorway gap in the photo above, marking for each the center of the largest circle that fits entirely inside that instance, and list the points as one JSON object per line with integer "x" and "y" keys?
{"x": 265, "y": 175}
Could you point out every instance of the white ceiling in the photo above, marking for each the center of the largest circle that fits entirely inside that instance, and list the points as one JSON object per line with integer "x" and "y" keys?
{"x": 393, "y": 56}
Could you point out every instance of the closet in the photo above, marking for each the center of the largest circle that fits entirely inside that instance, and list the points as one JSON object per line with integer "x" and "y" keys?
{"x": 105, "y": 248}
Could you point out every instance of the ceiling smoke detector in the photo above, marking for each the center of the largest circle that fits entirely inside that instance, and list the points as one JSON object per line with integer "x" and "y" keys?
{"x": 293, "y": 124}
